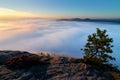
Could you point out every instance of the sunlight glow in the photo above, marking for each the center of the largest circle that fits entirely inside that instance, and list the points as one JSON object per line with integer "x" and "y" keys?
{"x": 12, "y": 14}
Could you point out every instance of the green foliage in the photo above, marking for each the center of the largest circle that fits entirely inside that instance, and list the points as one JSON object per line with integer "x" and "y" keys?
{"x": 97, "y": 48}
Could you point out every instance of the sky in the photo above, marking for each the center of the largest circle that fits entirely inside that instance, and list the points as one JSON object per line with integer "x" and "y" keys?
{"x": 60, "y": 8}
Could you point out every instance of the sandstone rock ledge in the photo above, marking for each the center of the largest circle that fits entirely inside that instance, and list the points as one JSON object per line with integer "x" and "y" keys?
{"x": 54, "y": 68}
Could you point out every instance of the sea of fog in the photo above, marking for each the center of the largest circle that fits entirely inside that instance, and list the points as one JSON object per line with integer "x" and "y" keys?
{"x": 59, "y": 37}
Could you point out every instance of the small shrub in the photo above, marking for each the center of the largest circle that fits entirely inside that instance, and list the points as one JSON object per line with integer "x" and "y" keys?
{"x": 98, "y": 47}
{"x": 22, "y": 61}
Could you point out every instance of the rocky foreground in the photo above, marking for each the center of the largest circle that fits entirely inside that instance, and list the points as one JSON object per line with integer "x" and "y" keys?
{"x": 18, "y": 65}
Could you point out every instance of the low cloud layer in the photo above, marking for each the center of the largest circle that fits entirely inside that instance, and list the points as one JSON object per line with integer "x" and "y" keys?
{"x": 61, "y": 37}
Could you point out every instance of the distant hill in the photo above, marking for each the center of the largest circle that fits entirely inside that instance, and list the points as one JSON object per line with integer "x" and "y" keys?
{"x": 116, "y": 21}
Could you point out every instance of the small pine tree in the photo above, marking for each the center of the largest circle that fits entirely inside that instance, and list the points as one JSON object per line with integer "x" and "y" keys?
{"x": 97, "y": 47}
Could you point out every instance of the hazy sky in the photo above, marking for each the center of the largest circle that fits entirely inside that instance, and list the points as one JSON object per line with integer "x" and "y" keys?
{"x": 65, "y": 8}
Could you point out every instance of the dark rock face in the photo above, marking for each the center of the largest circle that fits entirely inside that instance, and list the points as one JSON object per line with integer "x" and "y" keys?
{"x": 7, "y": 54}
{"x": 49, "y": 71}
{"x": 26, "y": 76}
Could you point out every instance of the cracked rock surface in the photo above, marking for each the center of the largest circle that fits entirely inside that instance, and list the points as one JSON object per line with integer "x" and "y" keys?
{"x": 51, "y": 71}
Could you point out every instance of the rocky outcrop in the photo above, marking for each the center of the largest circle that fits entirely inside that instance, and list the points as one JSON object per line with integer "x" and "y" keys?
{"x": 57, "y": 70}
{"x": 7, "y": 54}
